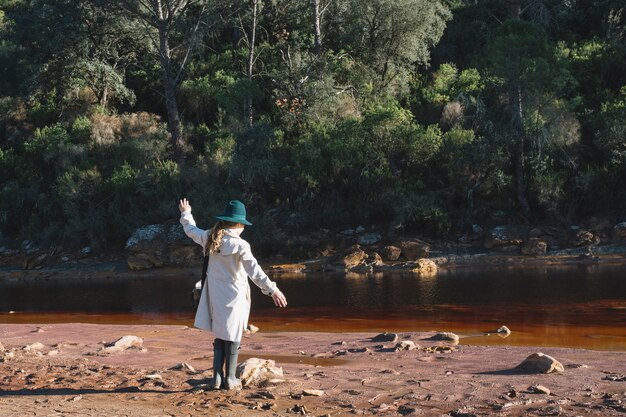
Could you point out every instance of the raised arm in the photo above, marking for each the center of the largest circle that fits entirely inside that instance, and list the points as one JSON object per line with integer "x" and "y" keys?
{"x": 189, "y": 225}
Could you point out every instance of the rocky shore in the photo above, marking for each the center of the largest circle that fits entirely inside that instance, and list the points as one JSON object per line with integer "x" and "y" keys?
{"x": 105, "y": 370}
{"x": 358, "y": 250}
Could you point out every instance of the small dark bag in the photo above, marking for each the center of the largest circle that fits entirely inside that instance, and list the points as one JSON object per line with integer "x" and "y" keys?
{"x": 197, "y": 292}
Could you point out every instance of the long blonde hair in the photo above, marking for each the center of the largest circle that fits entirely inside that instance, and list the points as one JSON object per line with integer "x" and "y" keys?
{"x": 215, "y": 237}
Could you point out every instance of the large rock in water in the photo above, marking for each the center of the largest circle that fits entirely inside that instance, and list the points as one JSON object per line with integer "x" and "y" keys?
{"x": 159, "y": 245}
{"x": 353, "y": 256}
{"x": 390, "y": 253}
{"x": 540, "y": 363}
{"x": 414, "y": 249}
{"x": 534, "y": 246}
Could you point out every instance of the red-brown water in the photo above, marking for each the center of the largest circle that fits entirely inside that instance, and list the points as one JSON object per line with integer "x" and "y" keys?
{"x": 553, "y": 306}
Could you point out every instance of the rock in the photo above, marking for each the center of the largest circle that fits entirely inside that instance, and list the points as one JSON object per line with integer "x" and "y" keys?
{"x": 6, "y": 252}
{"x": 369, "y": 238}
{"x": 406, "y": 345}
{"x": 619, "y": 231}
{"x": 1, "y": 347}
{"x": 503, "y": 330}
{"x": 184, "y": 366}
{"x": 251, "y": 329}
{"x": 385, "y": 337}
{"x": 503, "y": 236}
{"x": 347, "y": 232}
{"x": 584, "y": 238}
{"x": 447, "y": 336}
{"x": 374, "y": 259}
{"x": 534, "y": 246}
{"x": 87, "y": 250}
{"x": 540, "y": 363}
{"x": 390, "y": 253}
{"x": 287, "y": 268}
{"x": 35, "y": 347}
{"x": 159, "y": 245}
{"x": 414, "y": 249}
{"x": 359, "y": 229}
{"x": 353, "y": 256}
{"x": 123, "y": 343}
{"x": 152, "y": 377}
{"x": 313, "y": 392}
{"x": 255, "y": 370}
{"x": 539, "y": 389}
{"x": 425, "y": 266}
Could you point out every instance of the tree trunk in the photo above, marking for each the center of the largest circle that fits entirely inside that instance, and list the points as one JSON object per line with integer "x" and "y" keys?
{"x": 251, "y": 60}
{"x": 515, "y": 105}
{"x": 169, "y": 85}
{"x": 317, "y": 27}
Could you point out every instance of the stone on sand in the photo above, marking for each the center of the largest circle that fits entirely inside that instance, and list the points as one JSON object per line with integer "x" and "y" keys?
{"x": 313, "y": 392}
{"x": 385, "y": 337}
{"x": 35, "y": 347}
{"x": 255, "y": 370}
{"x": 447, "y": 336}
{"x": 184, "y": 366}
{"x": 406, "y": 345}
{"x": 540, "y": 363}
{"x": 123, "y": 343}
{"x": 539, "y": 389}
{"x": 1, "y": 347}
{"x": 504, "y": 330}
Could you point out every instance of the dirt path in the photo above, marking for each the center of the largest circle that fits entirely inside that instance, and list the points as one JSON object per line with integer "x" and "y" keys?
{"x": 70, "y": 376}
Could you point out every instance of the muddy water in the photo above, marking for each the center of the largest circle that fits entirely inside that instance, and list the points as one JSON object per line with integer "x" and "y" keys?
{"x": 551, "y": 306}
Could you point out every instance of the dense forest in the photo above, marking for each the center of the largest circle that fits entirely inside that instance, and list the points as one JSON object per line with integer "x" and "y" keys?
{"x": 432, "y": 115}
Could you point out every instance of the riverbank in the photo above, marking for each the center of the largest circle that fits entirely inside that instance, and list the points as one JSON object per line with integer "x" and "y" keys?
{"x": 66, "y": 371}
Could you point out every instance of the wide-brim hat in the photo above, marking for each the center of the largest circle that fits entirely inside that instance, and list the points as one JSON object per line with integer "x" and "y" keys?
{"x": 235, "y": 212}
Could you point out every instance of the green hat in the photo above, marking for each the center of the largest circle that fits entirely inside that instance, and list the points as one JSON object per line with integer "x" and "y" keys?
{"x": 235, "y": 212}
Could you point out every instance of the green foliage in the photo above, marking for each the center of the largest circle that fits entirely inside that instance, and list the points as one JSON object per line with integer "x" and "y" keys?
{"x": 365, "y": 132}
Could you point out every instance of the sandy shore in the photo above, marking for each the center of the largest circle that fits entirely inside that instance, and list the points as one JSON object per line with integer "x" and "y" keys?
{"x": 69, "y": 375}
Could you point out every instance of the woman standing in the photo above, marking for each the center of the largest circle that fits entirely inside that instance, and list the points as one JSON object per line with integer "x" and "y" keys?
{"x": 224, "y": 305}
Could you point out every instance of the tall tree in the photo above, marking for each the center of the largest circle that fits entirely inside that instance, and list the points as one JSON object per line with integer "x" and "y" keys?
{"x": 166, "y": 20}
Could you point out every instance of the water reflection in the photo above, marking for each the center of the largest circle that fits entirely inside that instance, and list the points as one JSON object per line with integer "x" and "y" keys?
{"x": 577, "y": 306}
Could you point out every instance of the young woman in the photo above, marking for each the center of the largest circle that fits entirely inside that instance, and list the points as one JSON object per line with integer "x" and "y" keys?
{"x": 224, "y": 305}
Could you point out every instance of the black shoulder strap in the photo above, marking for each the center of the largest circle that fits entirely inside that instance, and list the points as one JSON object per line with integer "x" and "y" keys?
{"x": 205, "y": 267}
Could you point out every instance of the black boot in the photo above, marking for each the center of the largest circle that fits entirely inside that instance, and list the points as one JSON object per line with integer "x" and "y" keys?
{"x": 218, "y": 363}
{"x": 232, "y": 354}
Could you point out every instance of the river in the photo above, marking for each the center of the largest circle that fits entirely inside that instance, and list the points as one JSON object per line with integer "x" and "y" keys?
{"x": 571, "y": 306}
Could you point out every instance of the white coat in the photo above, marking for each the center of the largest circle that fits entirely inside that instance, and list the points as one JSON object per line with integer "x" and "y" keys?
{"x": 224, "y": 305}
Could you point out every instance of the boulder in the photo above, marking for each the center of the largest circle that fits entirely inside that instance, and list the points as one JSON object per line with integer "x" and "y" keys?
{"x": 159, "y": 245}
{"x": 1, "y": 347}
{"x": 584, "y": 238}
{"x": 425, "y": 266}
{"x": 446, "y": 336}
{"x": 385, "y": 337}
{"x": 369, "y": 238}
{"x": 414, "y": 249}
{"x": 619, "y": 231}
{"x": 539, "y": 363}
{"x": 390, "y": 253}
{"x": 255, "y": 370}
{"x": 503, "y": 236}
{"x": 35, "y": 347}
{"x": 406, "y": 345}
{"x": 534, "y": 247}
{"x": 123, "y": 343}
{"x": 353, "y": 256}
{"x": 503, "y": 330}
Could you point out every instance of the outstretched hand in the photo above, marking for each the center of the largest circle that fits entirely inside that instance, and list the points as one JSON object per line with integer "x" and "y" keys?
{"x": 183, "y": 205}
{"x": 279, "y": 299}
